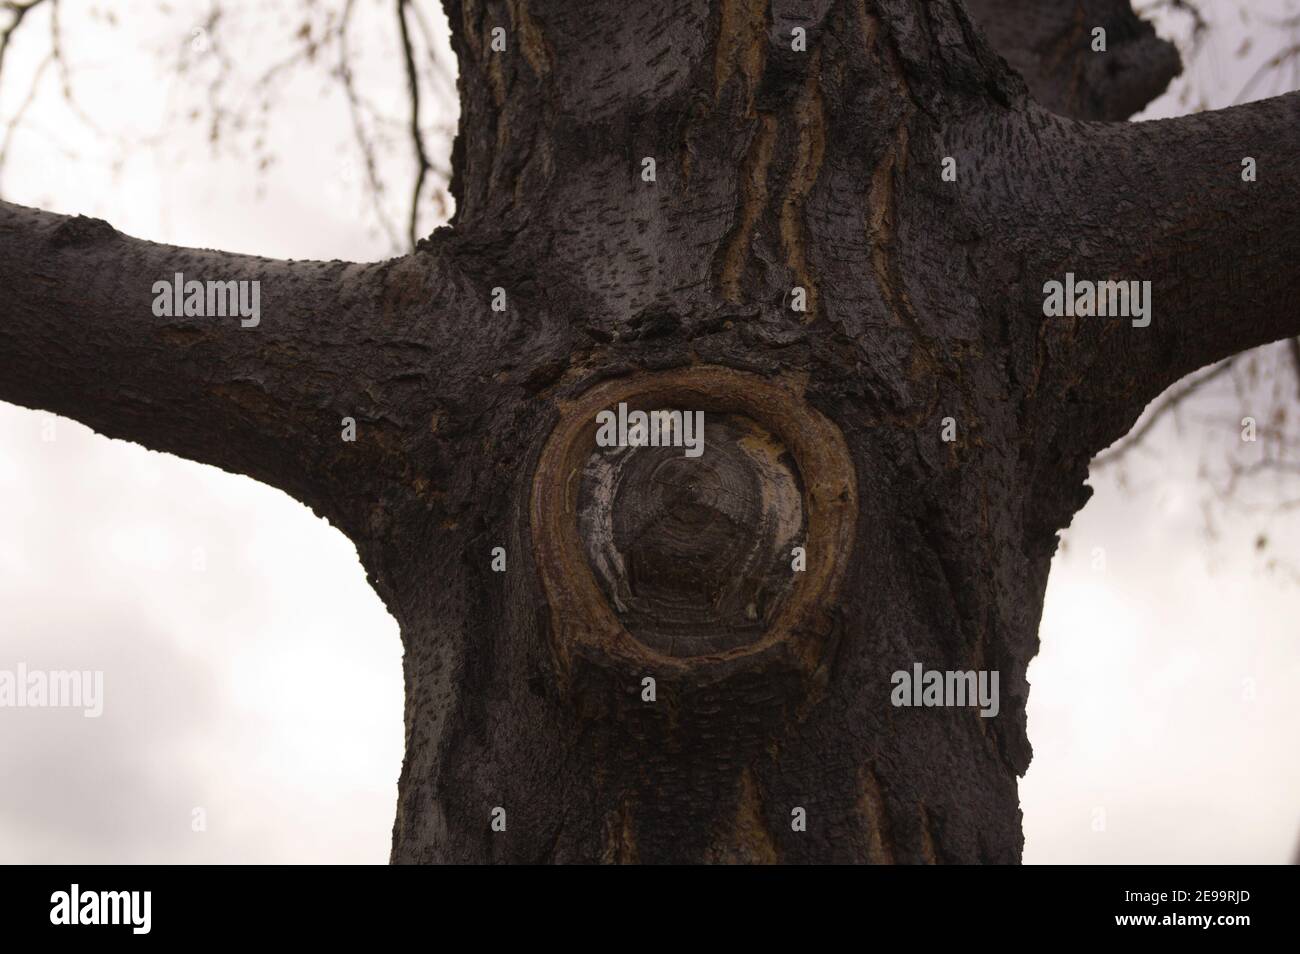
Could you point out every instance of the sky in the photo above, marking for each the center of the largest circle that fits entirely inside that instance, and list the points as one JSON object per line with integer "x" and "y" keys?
{"x": 252, "y": 680}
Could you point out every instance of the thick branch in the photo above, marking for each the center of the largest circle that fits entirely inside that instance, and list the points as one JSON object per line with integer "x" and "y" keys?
{"x": 1167, "y": 202}
{"x": 1050, "y": 200}
{"x": 1161, "y": 202}
{"x": 79, "y": 335}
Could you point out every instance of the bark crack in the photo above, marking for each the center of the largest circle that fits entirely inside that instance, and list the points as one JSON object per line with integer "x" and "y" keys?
{"x": 741, "y": 46}
{"x": 808, "y": 161}
{"x": 531, "y": 39}
{"x": 753, "y": 199}
{"x": 871, "y": 804}
{"x": 750, "y": 840}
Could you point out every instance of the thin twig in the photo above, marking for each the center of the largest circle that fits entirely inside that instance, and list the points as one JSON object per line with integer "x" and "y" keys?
{"x": 19, "y": 10}
{"x": 1269, "y": 66}
{"x": 1293, "y": 345}
{"x": 421, "y": 158}
{"x": 358, "y": 127}
{"x": 12, "y": 126}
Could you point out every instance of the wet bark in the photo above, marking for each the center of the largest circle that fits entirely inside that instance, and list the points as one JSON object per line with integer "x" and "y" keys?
{"x": 775, "y": 170}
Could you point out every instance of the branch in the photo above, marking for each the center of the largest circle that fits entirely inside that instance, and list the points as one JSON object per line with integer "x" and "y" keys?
{"x": 364, "y": 144}
{"x": 417, "y": 137}
{"x": 65, "y": 73}
{"x": 1274, "y": 62}
{"x": 262, "y": 395}
{"x": 1221, "y": 252}
{"x": 1161, "y": 202}
{"x": 12, "y": 125}
{"x": 1293, "y": 346}
{"x": 19, "y": 10}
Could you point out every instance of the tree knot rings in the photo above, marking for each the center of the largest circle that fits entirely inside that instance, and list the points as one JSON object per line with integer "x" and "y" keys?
{"x": 695, "y": 520}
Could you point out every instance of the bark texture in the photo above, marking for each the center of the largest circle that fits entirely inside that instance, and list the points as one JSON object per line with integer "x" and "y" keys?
{"x": 1050, "y": 43}
{"x": 775, "y": 170}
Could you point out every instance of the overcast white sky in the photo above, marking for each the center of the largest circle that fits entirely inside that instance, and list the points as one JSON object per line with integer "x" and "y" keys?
{"x": 252, "y": 673}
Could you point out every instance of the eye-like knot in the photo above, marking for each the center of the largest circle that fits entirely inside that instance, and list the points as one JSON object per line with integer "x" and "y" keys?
{"x": 695, "y": 554}
{"x": 690, "y": 518}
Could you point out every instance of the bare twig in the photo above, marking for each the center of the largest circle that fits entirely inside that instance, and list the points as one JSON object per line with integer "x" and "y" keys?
{"x": 1274, "y": 62}
{"x": 1293, "y": 346}
{"x": 65, "y": 73}
{"x": 441, "y": 71}
{"x": 417, "y": 138}
{"x": 19, "y": 10}
{"x": 358, "y": 127}
{"x": 12, "y": 126}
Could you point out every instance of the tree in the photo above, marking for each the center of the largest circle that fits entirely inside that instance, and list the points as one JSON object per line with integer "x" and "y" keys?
{"x": 644, "y": 200}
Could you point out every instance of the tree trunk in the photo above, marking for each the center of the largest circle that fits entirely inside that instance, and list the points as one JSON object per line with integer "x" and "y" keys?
{"x": 780, "y": 175}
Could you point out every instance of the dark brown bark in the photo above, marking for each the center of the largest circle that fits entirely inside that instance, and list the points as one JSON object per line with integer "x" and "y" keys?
{"x": 775, "y": 169}
{"x": 380, "y": 343}
{"x": 1163, "y": 202}
{"x": 1050, "y": 43}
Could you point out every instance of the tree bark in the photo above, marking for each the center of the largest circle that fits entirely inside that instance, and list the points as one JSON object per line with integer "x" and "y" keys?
{"x": 1049, "y": 42}
{"x": 776, "y": 170}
